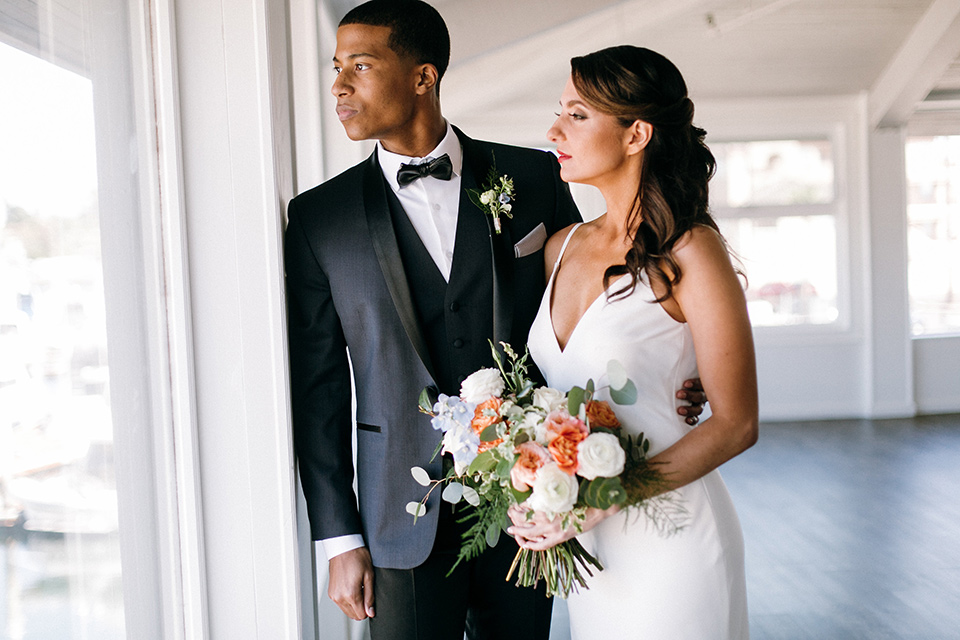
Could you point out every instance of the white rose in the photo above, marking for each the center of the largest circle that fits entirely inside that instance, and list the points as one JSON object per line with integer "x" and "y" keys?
{"x": 482, "y": 385}
{"x": 487, "y": 197}
{"x": 554, "y": 491}
{"x": 600, "y": 456}
{"x": 549, "y": 399}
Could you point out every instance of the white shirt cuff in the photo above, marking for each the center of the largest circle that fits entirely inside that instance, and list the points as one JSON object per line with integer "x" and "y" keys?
{"x": 341, "y": 544}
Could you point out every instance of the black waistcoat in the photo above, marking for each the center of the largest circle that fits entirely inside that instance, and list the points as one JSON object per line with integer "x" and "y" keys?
{"x": 456, "y": 317}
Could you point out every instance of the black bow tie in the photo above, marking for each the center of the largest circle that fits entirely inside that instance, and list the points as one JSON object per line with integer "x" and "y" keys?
{"x": 441, "y": 169}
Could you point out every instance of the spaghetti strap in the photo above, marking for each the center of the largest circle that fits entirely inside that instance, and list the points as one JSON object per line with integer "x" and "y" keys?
{"x": 563, "y": 247}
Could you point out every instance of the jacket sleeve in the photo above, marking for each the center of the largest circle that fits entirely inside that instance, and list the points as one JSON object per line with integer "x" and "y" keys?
{"x": 320, "y": 387}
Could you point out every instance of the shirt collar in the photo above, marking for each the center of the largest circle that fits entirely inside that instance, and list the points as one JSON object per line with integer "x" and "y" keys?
{"x": 390, "y": 162}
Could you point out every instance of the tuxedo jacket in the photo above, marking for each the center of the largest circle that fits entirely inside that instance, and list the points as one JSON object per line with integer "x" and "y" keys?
{"x": 353, "y": 324}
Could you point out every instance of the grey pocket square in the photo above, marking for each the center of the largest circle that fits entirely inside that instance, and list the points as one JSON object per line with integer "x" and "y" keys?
{"x": 532, "y": 242}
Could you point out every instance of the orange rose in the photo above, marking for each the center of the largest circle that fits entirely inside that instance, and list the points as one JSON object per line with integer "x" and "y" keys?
{"x": 486, "y": 414}
{"x": 530, "y": 457}
{"x": 564, "y": 445}
{"x": 599, "y": 414}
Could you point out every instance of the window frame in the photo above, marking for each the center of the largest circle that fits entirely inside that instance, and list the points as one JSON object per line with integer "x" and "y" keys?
{"x": 839, "y": 120}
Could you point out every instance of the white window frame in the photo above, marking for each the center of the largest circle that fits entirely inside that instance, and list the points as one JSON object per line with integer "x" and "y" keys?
{"x": 839, "y": 120}
{"x": 200, "y": 402}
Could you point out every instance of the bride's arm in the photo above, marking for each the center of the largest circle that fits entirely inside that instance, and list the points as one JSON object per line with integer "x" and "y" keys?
{"x": 709, "y": 298}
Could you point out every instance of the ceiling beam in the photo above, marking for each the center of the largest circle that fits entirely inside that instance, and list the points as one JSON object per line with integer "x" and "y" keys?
{"x": 927, "y": 52}
{"x": 509, "y": 71}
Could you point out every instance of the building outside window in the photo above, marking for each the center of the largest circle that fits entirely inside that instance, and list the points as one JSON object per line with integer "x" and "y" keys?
{"x": 60, "y": 573}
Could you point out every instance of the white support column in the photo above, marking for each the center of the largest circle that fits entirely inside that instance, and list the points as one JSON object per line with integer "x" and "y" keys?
{"x": 890, "y": 353}
{"x": 237, "y": 177}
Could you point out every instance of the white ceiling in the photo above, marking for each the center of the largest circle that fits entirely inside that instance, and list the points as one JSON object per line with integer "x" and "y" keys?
{"x": 512, "y": 56}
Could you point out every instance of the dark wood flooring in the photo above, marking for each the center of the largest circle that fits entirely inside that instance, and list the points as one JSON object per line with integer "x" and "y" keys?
{"x": 852, "y": 529}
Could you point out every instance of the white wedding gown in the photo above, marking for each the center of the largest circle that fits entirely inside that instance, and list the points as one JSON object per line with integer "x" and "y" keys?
{"x": 686, "y": 586}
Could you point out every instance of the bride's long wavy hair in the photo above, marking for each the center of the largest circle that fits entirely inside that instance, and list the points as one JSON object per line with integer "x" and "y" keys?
{"x": 632, "y": 83}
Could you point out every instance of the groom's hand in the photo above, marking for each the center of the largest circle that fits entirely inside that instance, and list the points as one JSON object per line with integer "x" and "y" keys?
{"x": 351, "y": 583}
{"x": 692, "y": 391}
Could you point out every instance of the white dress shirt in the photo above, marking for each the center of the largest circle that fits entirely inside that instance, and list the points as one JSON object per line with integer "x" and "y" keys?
{"x": 431, "y": 205}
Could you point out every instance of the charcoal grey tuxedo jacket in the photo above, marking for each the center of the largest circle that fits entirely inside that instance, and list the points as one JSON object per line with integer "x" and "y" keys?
{"x": 351, "y": 303}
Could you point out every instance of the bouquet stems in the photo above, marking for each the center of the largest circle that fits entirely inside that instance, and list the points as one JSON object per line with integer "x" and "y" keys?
{"x": 560, "y": 567}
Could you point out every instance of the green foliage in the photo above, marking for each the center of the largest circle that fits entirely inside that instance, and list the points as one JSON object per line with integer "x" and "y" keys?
{"x": 625, "y": 396}
{"x": 486, "y": 517}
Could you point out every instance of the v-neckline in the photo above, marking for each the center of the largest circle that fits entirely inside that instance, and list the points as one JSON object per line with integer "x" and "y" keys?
{"x": 553, "y": 282}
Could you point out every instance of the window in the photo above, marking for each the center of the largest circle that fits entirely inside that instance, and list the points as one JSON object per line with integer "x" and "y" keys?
{"x": 60, "y": 556}
{"x": 933, "y": 233}
{"x": 775, "y": 202}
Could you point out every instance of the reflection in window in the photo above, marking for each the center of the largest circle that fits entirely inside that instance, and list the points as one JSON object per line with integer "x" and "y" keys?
{"x": 791, "y": 265}
{"x": 933, "y": 233}
{"x": 59, "y": 553}
{"x": 775, "y": 202}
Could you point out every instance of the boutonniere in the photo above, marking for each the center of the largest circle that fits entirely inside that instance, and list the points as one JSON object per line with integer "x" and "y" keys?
{"x": 495, "y": 197}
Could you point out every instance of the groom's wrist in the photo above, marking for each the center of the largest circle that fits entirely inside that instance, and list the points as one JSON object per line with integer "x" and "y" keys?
{"x": 333, "y": 547}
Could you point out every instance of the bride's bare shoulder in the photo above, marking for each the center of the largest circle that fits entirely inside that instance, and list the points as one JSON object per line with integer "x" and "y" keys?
{"x": 701, "y": 243}
{"x": 554, "y": 244}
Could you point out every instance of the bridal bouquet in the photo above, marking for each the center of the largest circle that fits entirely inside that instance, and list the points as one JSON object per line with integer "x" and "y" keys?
{"x": 558, "y": 453}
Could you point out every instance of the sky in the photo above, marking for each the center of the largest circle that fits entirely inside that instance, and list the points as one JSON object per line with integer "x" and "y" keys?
{"x": 47, "y": 149}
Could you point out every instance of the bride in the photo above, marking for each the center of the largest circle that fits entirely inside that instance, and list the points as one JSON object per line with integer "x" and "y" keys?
{"x": 649, "y": 283}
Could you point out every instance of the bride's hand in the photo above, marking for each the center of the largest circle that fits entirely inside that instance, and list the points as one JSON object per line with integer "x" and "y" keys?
{"x": 539, "y": 533}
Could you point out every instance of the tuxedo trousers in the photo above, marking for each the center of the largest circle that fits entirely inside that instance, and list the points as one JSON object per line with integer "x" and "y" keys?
{"x": 423, "y": 603}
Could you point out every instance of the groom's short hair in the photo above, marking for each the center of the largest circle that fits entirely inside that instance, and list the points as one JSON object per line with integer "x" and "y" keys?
{"x": 417, "y": 30}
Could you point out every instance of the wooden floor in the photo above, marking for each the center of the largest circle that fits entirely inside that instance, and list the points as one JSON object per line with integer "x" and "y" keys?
{"x": 852, "y": 529}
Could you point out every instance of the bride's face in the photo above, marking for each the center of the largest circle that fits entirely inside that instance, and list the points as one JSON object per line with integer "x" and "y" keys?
{"x": 591, "y": 146}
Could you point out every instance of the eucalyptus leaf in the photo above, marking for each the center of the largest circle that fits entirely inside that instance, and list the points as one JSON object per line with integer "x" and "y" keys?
{"x": 416, "y": 509}
{"x": 470, "y": 495}
{"x": 574, "y": 400}
{"x": 421, "y": 476}
{"x": 625, "y": 395}
{"x": 591, "y": 387}
{"x": 493, "y": 534}
{"x": 616, "y": 374}
{"x": 453, "y": 492}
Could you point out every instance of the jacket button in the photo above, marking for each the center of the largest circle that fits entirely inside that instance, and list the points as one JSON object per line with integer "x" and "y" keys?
{"x": 454, "y": 306}
{"x": 458, "y": 343}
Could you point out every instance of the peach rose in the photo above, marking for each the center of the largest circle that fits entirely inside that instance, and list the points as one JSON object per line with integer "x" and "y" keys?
{"x": 560, "y": 421}
{"x": 564, "y": 445}
{"x": 530, "y": 457}
{"x": 481, "y": 421}
{"x": 599, "y": 414}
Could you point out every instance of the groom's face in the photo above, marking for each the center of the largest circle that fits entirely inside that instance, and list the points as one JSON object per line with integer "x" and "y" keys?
{"x": 375, "y": 88}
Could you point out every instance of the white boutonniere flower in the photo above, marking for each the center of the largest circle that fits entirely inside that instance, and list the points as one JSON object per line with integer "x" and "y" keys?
{"x": 495, "y": 197}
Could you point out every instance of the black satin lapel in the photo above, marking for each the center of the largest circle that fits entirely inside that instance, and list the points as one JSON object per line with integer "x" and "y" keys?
{"x": 388, "y": 254}
{"x": 477, "y": 164}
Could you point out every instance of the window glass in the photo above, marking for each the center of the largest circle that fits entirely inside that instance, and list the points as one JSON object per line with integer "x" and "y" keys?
{"x": 59, "y": 554}
{"x": 933, "y": 233}
{"x": 775, "y": 203}
{"x": 791, "y": 266}
{"x": 772, "y": 172}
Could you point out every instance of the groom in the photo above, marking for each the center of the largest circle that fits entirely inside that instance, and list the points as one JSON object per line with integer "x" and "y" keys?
{"x": 391, "y": 261}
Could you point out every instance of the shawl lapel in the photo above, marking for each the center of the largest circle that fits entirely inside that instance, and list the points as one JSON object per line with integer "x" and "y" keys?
{"x": 388, "y": 254}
